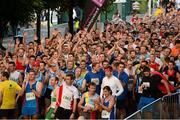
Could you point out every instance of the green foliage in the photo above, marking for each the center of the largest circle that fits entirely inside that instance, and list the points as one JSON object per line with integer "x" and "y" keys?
{"x": 19, "y": 11}
{"x": 108, "y": 6}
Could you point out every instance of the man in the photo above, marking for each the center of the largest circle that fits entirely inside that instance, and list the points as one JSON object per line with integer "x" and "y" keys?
{"x": 67, "y": 99}
{"x": 8, "y": 91}
{"x": 149, "y": 87}
{"x": 94, "y": 76}
{"x": 89, "y": 101}
{"x": 32, "y": 90}
{"x": 50, "y": 109}
{"x": 176, "y": 49}
{"x": 121, "y": 100}
{"x": 14, "y": 74}
{"x": 112, "y": 82}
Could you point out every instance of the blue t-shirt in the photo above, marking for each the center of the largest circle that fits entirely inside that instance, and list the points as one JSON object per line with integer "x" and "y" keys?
{"x": 96, "y": 78}
{"x": 124, "y": 78}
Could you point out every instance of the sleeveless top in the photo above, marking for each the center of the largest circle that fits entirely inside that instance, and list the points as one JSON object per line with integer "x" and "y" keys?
{"x": 30, "y": 101}
{"x": 53, "y": 98}
{"x": 106, "y": 114}
{"x": 89, "y": 101}
{"x": 79, "y": 83}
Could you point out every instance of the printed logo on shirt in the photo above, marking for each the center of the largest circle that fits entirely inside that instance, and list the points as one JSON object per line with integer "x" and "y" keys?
{"x": 30, "y": 96}
{"x": 95, "y": 80}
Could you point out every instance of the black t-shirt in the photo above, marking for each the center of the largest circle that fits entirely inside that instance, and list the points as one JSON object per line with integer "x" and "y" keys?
{"x": 152, "y": 90}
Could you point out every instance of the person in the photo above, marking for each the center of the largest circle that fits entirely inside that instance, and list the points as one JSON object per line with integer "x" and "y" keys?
{"x": 108, "y": 104}
{"x": 14, "y": 74}
{"x": 171, "y": 73}
{"x": 31, "y": 91}
{"x": 121, "y": 103}
{"x": 79, "y": 81}
{"x": 94, "y": 76}
{"x": 175, "y": 50}
{"x": 8, "y": 96}
{"x": 67, "y": 99}
{"x": 111, "y": 81}
{"x": 89, "y": 101}
{"x": 149, "y": 87}
{"x": 50, "y": 109}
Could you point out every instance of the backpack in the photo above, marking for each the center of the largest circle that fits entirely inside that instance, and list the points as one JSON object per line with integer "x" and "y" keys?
{"x": 161, "y": 86}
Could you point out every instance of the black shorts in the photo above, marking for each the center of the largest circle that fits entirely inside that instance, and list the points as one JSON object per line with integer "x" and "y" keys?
{"x": 8, "y": 113}
{"x": 62, "y": 113}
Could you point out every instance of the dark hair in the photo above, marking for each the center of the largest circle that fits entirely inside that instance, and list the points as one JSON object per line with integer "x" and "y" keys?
{"x": 13, "y": 63}
{"x": 5, "y": 74}
{"x": 145, "y": 61}
{"x": 109, "y": 67}
{"x": 56, "y": 79}
{"x": 32, "y": 56}
{"x": 31, "y": 70}
{"x": 92, "y": 84}
{"x": 71, "y": 75}
{"x": 122, "y": 64}
{"x": 172, "y": 62}
{"x": 43, "y": 63}
{"x": 94, "y": 64}
{"x": 108, "y": 89}
{"x": 177, "y": 42}
{"x": 146, "y": 69}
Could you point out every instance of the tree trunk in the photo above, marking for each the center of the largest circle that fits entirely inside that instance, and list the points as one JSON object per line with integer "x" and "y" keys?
{"x": 70, "y": 23}
{"x": 48, "y": 23}
{"x": 38, "y": 27}
{"x": 58, "y": 19}
{"x": 106, "y": 15}
{"x": 2, "y": 28}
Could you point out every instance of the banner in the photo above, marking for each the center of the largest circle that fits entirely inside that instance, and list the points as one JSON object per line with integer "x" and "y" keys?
{"x": 90, "y": 11}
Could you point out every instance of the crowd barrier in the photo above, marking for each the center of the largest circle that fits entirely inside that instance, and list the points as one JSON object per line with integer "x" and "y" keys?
{"x": 167, "y": 107}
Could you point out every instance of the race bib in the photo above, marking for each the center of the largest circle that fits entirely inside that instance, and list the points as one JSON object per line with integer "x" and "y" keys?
{"x": 105, "y": 114}
{"x": 30, "y": 96}
{"x": 66, "y": 100}
{"x": 95, "y": 80}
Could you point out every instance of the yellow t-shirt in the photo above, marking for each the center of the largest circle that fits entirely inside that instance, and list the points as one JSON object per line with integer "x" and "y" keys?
{"x": 9, "y": 89}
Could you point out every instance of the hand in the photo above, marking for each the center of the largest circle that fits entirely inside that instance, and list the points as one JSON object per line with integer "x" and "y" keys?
{"x": 17, "y": 41}
{"x": 53, "y": 115}
{"x": 35, "y": 37}
{"x": 72, "y": 116}
{"x": 25, "y": 34}
{"x": 169, "y": 94}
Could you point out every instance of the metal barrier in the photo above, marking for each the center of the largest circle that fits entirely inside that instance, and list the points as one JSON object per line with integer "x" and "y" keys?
{"x": 171, "y": 106}
{"x": 152, "y": 110}
{"x": 136, "y": 115}
{"x": 167, "y": 107}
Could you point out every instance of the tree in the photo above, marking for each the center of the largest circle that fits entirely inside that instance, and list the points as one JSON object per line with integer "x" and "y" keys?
{"x": 107, "y": 7}
{"x": 17, "y": 12}
{"x": 68, "y": 5}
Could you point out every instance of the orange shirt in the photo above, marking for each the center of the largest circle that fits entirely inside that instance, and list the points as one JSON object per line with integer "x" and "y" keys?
{"x": 175, "y": 52}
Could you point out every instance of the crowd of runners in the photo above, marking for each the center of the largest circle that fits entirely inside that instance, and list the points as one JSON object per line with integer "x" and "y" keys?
{"x": 92, "y": 75}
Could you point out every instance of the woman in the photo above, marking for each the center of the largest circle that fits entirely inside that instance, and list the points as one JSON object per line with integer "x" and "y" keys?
{"x": 108, "y": 104}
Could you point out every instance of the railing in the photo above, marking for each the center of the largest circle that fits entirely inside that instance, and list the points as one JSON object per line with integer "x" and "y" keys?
{"x": 167, "y": 107}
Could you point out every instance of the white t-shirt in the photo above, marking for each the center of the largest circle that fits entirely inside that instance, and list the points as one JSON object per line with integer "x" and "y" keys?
{"x": 15, "y": 76}
{"x": 68, "y": 94}
{"x": 114, "y": 83}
